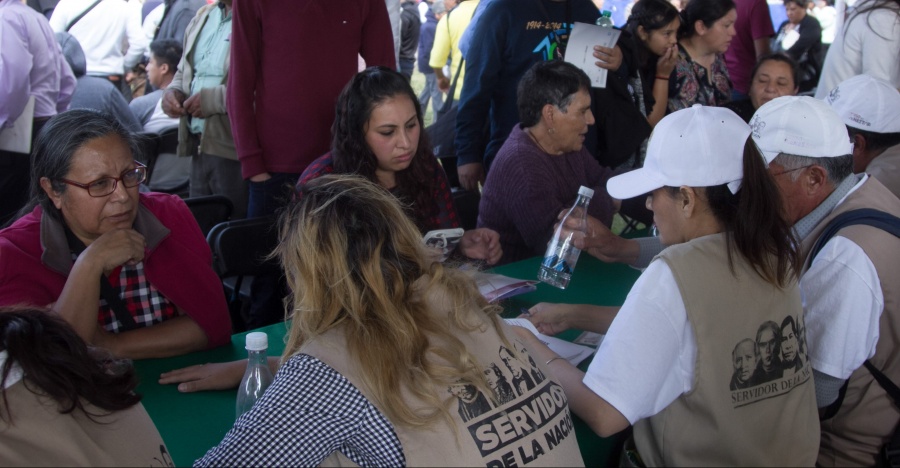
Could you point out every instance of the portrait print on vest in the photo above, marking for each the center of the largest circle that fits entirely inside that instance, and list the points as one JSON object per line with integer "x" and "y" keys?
{"x": 522, "y": 419}
{"x": 772, "y": 364}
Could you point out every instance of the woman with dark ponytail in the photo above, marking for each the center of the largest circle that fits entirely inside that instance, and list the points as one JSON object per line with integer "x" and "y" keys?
{"x": 62, "y": 403}
{"x": 700, "y": 76}
{"x": 691, "y": 323}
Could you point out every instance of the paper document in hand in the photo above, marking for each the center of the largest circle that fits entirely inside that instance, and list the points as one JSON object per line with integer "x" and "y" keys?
{"x": 571, "y": 352}
{"x": 17, "y": 138}
{"x": 580, "y": 49}
{"x": 496, "y": 287}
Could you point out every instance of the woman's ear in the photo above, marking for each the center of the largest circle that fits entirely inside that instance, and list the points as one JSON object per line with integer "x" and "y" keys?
{"x": 54, "y": 196}
{"x": 687, "y": 200}
{"x": 642, "y": 33}
{"x": 700, "y": 28}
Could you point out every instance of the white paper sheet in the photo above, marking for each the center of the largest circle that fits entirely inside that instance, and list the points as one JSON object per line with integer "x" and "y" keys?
{"x": 574, "y": 353}
{"x": 17, "y": 138}
{"x": 580, "y": 49}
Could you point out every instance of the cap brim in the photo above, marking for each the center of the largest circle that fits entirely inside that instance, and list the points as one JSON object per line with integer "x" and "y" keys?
{"x": 634, "y": 183}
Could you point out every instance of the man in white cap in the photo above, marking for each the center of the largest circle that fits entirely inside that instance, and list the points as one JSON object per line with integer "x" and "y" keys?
{"x": 871, "y": 110}
{"x": 851, "y": 289}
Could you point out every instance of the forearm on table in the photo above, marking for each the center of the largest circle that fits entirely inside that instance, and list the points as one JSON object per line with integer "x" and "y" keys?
{"x": 587, "y": 405}
{"x": 592, "y": 318}
{"x": 174, "y": 337}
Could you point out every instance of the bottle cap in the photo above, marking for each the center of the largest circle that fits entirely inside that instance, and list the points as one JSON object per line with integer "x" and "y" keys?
{"x": 586, "y": 192}
{"x": 257, "y": 341}
{"x": 606, "y": 13}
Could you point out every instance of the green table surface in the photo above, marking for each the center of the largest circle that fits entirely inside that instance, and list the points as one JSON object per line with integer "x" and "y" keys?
{"x": 192, "y": 423}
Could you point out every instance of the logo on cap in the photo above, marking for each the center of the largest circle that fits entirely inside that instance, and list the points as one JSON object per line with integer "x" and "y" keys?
{"x": 757, "y": 126}
{"x": 834, "y": 95}
{"x": 859, "y": 119}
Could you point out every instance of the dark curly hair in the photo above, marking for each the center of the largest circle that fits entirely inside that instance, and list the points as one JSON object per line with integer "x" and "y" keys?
{"x": 352, "y": 155}
{"x": 57, "y": 362}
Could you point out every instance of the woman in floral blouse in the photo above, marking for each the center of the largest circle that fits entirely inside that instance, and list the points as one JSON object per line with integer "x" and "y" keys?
{"x": 700, "y": 75}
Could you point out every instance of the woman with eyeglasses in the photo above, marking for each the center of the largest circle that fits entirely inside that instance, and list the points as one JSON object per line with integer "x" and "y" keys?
{"x": 130, "y": 272}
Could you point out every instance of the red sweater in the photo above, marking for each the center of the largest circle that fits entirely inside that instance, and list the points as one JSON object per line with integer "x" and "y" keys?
{"x": 289, "y": 61}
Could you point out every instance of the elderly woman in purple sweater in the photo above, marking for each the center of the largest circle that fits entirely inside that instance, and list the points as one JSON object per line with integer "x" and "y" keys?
{"x": 538, "y": 170}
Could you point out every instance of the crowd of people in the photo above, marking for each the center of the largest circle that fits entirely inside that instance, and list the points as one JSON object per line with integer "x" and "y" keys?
{"x": 766, "y": 155}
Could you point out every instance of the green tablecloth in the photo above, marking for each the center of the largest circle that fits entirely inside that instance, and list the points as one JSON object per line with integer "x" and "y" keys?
{"x": 192, "y": 423}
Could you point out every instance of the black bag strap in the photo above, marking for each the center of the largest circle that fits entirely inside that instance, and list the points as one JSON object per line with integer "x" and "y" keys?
{"x": 891, "y": 451}
{"x": 448, "y": 104}
{"x": 78, "y": 18}
{"x": 891, "y": 224}
{"x": 866, "y": 216}
{"x": 166, "y": 10}
{"x": 107, "y": 291}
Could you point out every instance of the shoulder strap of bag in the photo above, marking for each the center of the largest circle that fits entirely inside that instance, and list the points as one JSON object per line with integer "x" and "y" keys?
{"x": 78, "y": 18}
{"x": 107, "y": 291}
{"x": 891, "y": 224}
{"x": 448, "y": 104}
{"x": 891, "y": 450}
{"x": 867, "y": 216}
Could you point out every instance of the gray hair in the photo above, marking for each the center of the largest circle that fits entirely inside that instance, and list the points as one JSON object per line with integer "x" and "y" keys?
{"x": 553, "y": 82}
{"x": 837, "y": 168}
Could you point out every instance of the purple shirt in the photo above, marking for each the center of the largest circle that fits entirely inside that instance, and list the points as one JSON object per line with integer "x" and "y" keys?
{"x": 526, "y": 189}
{"x": 31, "y": 64}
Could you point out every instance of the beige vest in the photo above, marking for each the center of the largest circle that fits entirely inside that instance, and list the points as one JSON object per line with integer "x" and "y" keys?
{"x": 748, "y": 406}
{"x": 525, "y": 421}
{"x": 41, "y": 436}
{"x": 867, "y": 417}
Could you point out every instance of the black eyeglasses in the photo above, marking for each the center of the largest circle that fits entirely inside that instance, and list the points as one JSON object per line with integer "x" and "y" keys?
{"x": 107, "y": 185}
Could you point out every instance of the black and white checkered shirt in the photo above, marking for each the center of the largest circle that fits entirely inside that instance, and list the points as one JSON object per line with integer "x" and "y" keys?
{"x": 309, "y": 412}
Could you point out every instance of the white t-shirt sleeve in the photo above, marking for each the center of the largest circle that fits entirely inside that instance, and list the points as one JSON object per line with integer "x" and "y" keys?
{"x": 647, "y": 359}
{"x": 842, "y": 304}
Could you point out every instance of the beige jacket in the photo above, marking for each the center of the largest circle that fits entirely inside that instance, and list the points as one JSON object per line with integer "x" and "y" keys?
{"x": 216, "y": 139}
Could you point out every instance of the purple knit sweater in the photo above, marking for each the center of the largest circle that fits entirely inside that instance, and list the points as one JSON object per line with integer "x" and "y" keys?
{"x": 526, "y": 189}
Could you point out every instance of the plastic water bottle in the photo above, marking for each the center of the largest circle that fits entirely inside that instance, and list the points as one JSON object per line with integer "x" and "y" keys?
{"x": 257, "y": 377}
{"x": 605, "y": 19}
{"x": 562, "y": 255}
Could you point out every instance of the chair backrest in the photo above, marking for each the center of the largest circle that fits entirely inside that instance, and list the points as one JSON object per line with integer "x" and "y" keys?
{"x": 166, "y": 142}
{"x": 239, "y": 247}
{"x": 210, "y": 210}
{"x": 466, "y": 202}
{"x": 149, "y": 142}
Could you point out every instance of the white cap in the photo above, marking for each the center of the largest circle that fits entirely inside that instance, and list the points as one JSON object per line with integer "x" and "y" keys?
{"x": 257, "y": 341}
{"x": 867, "y": 103}
{"x": 587, "y": 192}
{"x": 700, "y": 146}
{"x": 801, "y": 126}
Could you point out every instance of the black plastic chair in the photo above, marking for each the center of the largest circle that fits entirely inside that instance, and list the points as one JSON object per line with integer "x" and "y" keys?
{"x": 210, "y": 210}
{"x": 149, "y": 144}
{"x": 239, "y": 251}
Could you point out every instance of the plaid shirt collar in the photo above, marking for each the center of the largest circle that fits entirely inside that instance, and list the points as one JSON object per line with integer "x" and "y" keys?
{"x": 57, "y": 256}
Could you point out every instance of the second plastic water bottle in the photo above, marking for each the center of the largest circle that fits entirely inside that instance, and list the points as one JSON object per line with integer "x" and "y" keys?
{"x": 258, "y": 377}
{"x": 562, "y": 255}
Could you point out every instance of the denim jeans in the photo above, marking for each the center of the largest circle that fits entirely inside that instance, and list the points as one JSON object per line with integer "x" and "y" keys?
{"x": 267, "y": 292}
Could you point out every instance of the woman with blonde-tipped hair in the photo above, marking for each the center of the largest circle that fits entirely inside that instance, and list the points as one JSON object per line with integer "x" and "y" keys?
{"x": 385, "y": 359}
